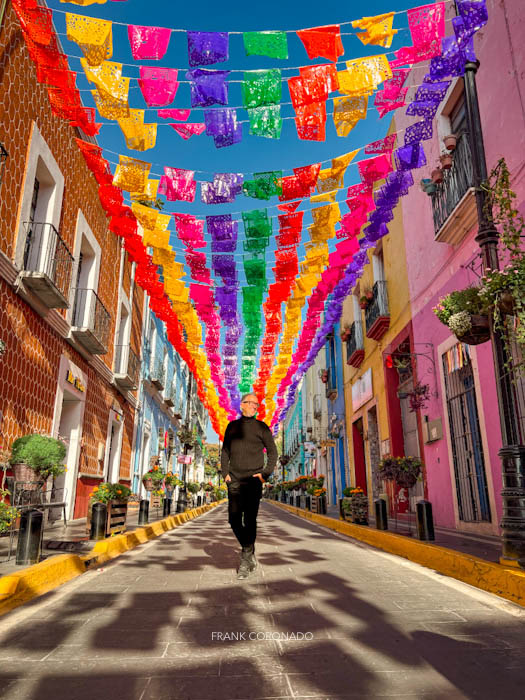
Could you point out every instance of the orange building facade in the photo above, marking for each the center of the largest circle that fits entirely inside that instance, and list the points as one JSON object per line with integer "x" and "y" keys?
{"x": 70, "y": 313}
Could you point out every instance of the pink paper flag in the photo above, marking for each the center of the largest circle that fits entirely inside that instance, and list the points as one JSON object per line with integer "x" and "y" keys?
{"x": 158, "y": 85}
{"x": 188, "y": 130}
{"x": 148, "y": 42}
{"x": 179, "y": 114}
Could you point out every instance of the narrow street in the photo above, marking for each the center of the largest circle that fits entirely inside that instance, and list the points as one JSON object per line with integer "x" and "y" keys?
{"x": 323, "y": 616}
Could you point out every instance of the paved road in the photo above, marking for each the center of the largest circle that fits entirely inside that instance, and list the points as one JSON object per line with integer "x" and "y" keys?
{"x": 169, "y": 620}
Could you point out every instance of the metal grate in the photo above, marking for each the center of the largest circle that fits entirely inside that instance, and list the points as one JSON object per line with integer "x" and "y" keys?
{"x": 456, "y": 183}
{"x": 355, "y": 341}
{"x": 467, "y": 448}
{"x": 378, "y": 307}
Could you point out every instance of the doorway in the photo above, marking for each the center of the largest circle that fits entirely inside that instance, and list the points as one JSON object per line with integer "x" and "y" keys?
{"x": 359, "y": 454}
{"x": 112, "y": 471}
{"x": 69, "y": 431}
{"x": 373, "y": 450}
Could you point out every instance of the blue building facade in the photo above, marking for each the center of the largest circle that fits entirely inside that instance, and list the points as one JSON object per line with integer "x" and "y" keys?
{"x": 294, "y": 438}
{"x": 338, "y": 466}
{"x": 163, "y": 402}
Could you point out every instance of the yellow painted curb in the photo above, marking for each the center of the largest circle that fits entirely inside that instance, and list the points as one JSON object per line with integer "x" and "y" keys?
{"x": 506, "y": 582}
{"x": 19, "y": 587}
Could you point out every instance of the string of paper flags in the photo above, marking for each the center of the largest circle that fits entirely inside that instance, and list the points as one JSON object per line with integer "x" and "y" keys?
{"x": 321, "y": 276}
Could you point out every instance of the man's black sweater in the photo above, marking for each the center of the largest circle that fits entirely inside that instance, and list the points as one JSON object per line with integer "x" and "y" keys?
{"x": 242, "y": 450}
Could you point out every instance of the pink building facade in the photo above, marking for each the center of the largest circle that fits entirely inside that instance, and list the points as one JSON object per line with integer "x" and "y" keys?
{"x": 459, "y": 427}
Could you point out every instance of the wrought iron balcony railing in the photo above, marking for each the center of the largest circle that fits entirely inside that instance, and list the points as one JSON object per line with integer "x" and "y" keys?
{"x": 377, "y": 315}
{"x": 157, "y": 375}
{"x": 91, "y": 322}
{"x": 127, "y": 367}
{"x": 48, "y": 264}
{"x": 170, "y": 397}
{"x": 355, "y": 348}
{"x": 457, "y": 181}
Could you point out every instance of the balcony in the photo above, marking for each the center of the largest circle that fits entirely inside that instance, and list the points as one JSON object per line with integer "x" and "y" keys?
{"x": 47, "y": 265}
{"x": 170, "y": 396}
{"x": 355, "y": 348}
{"x": 454, "y": 202}
{"x": 377, "y": 315}
{"x": 331, "y": 389}
{"x": 91, "y": 322}
{"x": 318, "y": 409}
{"x": 127, "y": 368}
{"x": 156, "y": 375}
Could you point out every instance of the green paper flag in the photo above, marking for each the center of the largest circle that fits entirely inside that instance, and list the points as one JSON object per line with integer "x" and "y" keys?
{"x": 272, "y": 44}
{"x": 266, "y": 121}
{"x": 261, "y": 88}
{"x": 264, "y": 185}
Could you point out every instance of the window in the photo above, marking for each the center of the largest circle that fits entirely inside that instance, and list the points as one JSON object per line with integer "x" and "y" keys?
{"x": 458, "y": 117}
{"x": 41, "y": 205}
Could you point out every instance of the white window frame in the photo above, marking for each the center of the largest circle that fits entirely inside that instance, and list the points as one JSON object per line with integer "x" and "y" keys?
{"x": 38, "y": 150}
{"x": 83, "y": 230}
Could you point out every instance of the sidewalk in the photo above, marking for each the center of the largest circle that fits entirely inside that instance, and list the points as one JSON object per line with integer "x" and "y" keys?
{"x": 73, "y": 539}
{"x": 486, "y": 547}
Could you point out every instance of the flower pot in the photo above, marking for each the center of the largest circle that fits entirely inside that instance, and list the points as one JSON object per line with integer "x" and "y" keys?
{"x": 23, "y": 472}
{"x": 345, "y": 336}
{"x": 363, "y": 305}
{"x": 437, "y": 176}
{"x": 479, "y": 333}
{"x": 430, "y": 188}
{"x": 450, "y": 142}
{"x": 506, "y": 303}
{"x": 148, "y": 484}
{"x": 446, "y": 161}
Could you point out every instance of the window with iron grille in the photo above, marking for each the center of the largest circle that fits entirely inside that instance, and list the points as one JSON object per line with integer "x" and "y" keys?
{"x": 465, "y": 436}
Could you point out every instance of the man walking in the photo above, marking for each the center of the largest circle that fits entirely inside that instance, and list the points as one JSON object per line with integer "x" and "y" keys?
{"x": 244, "y": 471}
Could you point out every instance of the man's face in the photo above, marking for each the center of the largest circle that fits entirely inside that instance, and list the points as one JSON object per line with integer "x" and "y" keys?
{"x": 249, "y": 406}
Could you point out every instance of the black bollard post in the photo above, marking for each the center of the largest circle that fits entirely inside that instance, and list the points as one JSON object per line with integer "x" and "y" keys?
{"x": 99, "y": 515}
{"x": 381, "y": 515}
{"x": 29, "y": 545}
{"x": 166, "y": 507}
{"x": 144, "y": 512}
{"x": 425, "y": 522}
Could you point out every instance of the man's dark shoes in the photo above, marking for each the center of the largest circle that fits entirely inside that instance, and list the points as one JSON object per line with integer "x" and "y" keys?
{"x": 248, "y": 562}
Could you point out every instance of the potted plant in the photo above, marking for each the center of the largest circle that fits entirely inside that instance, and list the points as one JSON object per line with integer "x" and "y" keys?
{"x": 437, "y": 176}
{"x": 171, "y": 480}
{"x": 446, "y": 160}
{"x": 355, "y": 505}
{"x": 186, "y": 437}
{"x": 404, "y": 471}
{"x": 419, "y": 396}
{"x": 116, "y": 497}
{"x": 465, "y": 313}
{"x": 152, "y": 478}
{"x": 450, "y": 142}
{"x": 36, "y": 457}
{"x": 428, "y": 186}
{"x": 8, "y": 513}
{"x": 345, "y": 333}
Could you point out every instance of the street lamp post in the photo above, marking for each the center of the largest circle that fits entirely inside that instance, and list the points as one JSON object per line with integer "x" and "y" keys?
{"x": 512, "y": 454}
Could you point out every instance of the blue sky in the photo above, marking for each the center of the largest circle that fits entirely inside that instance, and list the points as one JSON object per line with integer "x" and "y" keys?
{"x": 253, "y": 154}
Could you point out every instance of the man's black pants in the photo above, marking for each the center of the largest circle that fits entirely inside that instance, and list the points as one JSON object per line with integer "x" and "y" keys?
{"x": 243, "y": 505}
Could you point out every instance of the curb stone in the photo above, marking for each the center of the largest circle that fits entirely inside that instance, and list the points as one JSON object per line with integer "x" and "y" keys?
{"x": 20, "y": 587}
{"x": 495, "y": 578}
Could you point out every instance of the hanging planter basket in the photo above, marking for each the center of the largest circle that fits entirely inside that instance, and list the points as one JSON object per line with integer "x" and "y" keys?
{"x": 479, "y": 332}
{"x": 148, "y": 484}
